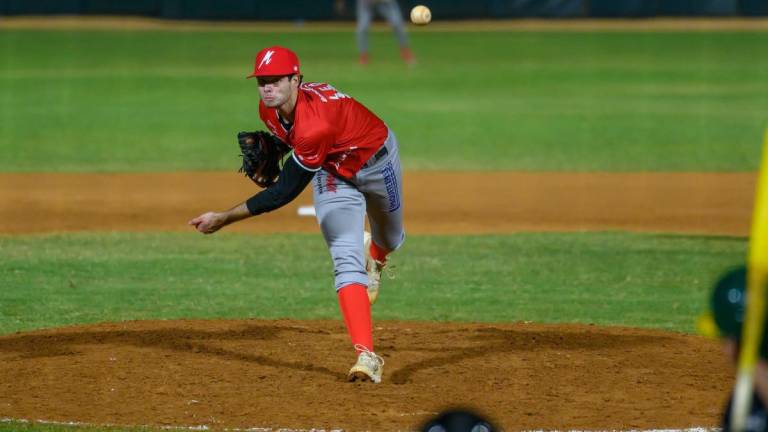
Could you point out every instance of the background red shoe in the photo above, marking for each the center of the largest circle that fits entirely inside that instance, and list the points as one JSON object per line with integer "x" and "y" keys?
{"x": 407, "y": 56}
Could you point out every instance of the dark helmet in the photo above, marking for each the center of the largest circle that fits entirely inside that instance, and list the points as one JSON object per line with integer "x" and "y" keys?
{"x": 458, "y": 420}
{"x": 728, "y": 302}
{"x": 728, "y": 305}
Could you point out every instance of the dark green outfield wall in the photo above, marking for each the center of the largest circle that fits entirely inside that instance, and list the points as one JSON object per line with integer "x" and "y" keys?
{"x": 344, "y": 9}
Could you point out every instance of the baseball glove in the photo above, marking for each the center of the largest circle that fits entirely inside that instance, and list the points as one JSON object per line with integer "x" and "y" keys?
{"x": 262, "y": 155}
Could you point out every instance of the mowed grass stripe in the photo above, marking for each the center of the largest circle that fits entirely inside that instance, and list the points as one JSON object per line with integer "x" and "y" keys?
{"x": 40, "y": 425}
{"x": 642, "y": 280}
{"x": 585, "y": 101}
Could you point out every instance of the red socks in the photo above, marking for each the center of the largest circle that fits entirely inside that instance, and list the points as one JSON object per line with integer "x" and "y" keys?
{"x": 407, "y": 55}
{"x": 378, "y": 253}
{"x": 356, "y": 308}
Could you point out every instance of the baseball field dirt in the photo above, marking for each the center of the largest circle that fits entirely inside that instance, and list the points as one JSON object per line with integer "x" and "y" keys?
{"x": 290, "y": 374}
{"x": 435, "y": 202}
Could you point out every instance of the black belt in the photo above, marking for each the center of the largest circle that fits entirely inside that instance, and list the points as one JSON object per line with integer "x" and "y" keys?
{"x": 376, "y": 157}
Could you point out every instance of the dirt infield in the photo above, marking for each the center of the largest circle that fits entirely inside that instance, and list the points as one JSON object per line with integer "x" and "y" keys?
{"x": 435, "y": 203}
{"x": 290, "y": 374}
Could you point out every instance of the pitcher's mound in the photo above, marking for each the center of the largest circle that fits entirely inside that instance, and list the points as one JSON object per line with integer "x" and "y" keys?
{"x": 291, "y": 374}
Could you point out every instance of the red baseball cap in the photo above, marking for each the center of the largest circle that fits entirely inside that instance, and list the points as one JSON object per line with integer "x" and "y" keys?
{"x": 275, "y": 61}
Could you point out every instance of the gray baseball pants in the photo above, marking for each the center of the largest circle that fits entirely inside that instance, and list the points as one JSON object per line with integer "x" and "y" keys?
{"x": 341, "y": 206}
{"x": 390, "y": 10}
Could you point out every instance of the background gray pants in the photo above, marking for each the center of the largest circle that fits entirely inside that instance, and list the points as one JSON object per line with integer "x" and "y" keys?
{"x": 341, "y": 206}
{"x": 390, "y": 10}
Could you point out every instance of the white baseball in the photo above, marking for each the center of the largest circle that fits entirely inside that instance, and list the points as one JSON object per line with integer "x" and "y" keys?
{"x": 421, "y": 15}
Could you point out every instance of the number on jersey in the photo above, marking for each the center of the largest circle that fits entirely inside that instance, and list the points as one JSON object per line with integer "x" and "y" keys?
{"x": 325, "y": 91}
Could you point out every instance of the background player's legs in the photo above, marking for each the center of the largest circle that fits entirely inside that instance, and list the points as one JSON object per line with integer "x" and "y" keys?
{"x": 364, "y": 17}
{"x": 391, "y": 11}
{"x": 340, "y": 209}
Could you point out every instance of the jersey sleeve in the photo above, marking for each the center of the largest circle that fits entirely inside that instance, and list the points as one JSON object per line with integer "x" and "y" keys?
{"x": 311, "y": 150}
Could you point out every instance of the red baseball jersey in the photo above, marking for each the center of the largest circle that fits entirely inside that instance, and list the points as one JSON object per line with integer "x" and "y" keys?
{"x": 330, "y": 130}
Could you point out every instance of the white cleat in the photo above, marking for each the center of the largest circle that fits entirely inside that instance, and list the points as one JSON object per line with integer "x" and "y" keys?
{"x": 373, "y": 268}
{"x": 369, "y": 366}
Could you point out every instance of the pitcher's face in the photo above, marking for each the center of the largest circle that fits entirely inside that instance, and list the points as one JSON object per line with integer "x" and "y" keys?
{"x": 275, "y": 91}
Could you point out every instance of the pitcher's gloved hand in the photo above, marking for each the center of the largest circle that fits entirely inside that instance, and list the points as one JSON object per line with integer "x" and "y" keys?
{"x": 262, "y": 156}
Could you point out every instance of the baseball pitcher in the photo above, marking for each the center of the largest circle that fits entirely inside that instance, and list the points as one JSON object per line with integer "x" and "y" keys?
{"x": 351, "y": 158}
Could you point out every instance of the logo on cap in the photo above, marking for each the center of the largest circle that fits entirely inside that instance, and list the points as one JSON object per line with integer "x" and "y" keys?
{"x": 267, "y": 58}
{"x": 275, "y": 61}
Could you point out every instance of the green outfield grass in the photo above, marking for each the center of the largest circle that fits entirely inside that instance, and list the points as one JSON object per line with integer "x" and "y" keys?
{"x": 642, "y": 280}
{"x": 15, "y": 426}
{"x": 161, "y": 100}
